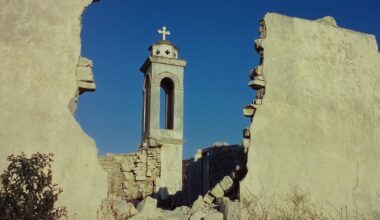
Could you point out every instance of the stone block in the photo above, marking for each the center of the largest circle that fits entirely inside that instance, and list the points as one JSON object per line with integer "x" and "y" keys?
{"x": 84, "y": 62}
{"x": 143, "y": 157}
{"x": 128, "y": 174}
{"x": 208, "y": 198}
{"x": 217, "y": 191}
{"x": 226, "y": 183}
{"x": 127, "y": 165}
{"x": 198, "y": 204}
{"x": 84, "y": 74}
{"x": 86, "y": 86}
{"x": 258, "y": 101}
{"x": 149, "y": 174}
{"x": 256, "y": 84}
{"x": 140, "y": 178}
{"x": 249, "y": 111}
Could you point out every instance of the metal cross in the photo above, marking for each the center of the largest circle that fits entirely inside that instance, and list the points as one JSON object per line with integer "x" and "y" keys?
{"x": 164, "y": 32}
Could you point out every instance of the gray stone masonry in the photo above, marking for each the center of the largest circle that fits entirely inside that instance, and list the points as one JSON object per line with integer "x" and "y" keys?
{"x": 133, "y": 176}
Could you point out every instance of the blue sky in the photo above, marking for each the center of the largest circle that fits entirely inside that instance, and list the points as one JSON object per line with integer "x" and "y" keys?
{"x": 215, "y": 37}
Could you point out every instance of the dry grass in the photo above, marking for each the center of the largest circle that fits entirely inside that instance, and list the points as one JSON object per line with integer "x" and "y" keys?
{"x": 296, "y": 206}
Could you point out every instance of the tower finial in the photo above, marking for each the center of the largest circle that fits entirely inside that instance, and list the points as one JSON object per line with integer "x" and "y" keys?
{"x": 164, "y": 32}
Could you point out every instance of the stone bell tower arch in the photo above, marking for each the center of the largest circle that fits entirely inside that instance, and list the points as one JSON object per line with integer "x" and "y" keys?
{"x": 164, "y": 71}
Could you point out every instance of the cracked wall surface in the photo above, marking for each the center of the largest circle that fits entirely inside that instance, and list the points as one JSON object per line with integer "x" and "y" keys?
{"x": 317, "y": 126}
{"x": 39, "y": 59}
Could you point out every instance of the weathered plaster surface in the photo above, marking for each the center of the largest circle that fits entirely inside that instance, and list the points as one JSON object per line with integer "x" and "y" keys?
{"x": 319, "y": 123}
{"x": 40, "y": 49}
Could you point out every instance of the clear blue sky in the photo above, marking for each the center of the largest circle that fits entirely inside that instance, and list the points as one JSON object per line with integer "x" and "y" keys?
{"x": 215, "y": 37}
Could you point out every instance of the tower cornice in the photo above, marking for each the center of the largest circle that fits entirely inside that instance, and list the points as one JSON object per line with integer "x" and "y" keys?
{"x": 162, "y": 60}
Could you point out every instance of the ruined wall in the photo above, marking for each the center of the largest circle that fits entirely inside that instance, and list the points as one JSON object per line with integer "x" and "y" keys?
{"x": 40, "y": 50}
{"x": 316, "y": 124}
{"x": 133, "y": 176}
{"x": 211, "y": 167}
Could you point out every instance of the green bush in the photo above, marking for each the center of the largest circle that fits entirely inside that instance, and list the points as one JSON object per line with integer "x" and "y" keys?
{"x": 27, "y": 189}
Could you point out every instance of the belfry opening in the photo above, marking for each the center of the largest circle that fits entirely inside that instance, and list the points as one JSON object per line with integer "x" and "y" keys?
{"x": 167, "y": 104}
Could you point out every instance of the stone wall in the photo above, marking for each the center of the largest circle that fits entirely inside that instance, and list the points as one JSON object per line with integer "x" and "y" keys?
{"x": 39, "y": 59}
{"x": 133, "y": 176}
{"x": 210, "y": 167}
{"x": 316, "y": 115}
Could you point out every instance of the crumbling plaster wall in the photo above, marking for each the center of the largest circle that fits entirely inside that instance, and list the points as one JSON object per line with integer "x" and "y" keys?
{"x": 318, "y": 125}
{"x": 40, "y": 49}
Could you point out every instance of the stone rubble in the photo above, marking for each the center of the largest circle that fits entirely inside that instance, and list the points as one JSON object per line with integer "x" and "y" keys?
{"x": 230, "y": 209}
{"x": 116, "y": 208}
{"x": 147, "y": 210}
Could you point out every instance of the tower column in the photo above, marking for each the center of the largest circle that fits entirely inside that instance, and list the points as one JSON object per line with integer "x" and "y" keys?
{"x": 165, "y": 72}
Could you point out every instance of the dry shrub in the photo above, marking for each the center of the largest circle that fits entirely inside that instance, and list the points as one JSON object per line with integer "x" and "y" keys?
{"x": 296, "y": 206}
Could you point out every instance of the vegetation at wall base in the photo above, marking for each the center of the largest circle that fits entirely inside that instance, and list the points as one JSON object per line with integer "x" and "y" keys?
{"x": 27, "y": 190}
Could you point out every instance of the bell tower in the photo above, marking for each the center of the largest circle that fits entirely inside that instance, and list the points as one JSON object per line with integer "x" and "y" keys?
{"x": 162, "y": 118}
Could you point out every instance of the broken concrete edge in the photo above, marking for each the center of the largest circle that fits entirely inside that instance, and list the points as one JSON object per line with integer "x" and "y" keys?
{"x": 257, "y": 83}
{"x": 264, "y": 122}
{"x": 326, "y": 20}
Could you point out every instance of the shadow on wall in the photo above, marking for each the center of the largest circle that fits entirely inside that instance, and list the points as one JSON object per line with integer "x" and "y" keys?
{"x": 209, "y": 168}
